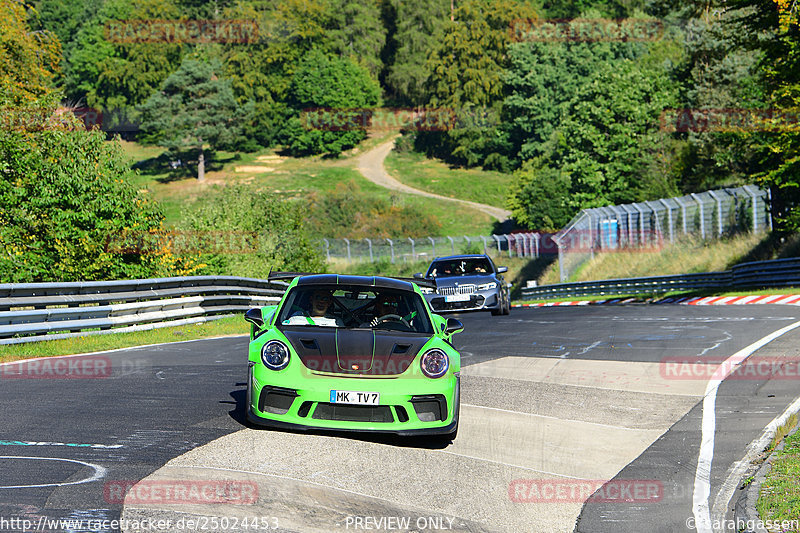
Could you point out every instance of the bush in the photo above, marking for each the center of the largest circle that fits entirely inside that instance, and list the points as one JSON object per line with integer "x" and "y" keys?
{"x": 64, "y": 195}
{"x": 270, "y": 233}
{"x": 348, "y": 212}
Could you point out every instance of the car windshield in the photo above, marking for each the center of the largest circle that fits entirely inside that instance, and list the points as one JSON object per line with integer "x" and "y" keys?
{"x": 345, "y": 306}
{"x": 459, "y": 267}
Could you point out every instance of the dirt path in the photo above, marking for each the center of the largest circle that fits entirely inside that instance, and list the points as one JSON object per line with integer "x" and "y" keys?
{"x": 371, "y": 166}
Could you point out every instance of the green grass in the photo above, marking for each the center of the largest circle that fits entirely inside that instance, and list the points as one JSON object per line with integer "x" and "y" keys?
{"x": 432, "y": 175}
{"x": 292, "y": 177}
{"x": 684, "y": 257}
{"x": 96, "y": 343}
{"x": 779, "y": 498}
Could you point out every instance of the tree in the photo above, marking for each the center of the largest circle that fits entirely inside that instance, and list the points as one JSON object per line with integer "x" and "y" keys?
{"x": 418, "y": 25}
{"x": 608, "y": 149}
{"x": 323, "y": 83}
{"x": 108, "y": 69}
{"x": 356, "y": 32}
{"x": 65, "y": 199}
{"x": 194, "y": 108}
{"x": 773, "y": 29}
{"x": 29, "y": 59}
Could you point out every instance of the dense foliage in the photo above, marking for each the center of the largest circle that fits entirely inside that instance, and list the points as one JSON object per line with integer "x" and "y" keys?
{"x": 579, "y": 122}
{"x": 256, "y": 232}
{"x": 349, "y": 212}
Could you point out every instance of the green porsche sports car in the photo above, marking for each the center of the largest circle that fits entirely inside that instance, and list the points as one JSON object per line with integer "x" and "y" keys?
{"x": 353, "y": 353}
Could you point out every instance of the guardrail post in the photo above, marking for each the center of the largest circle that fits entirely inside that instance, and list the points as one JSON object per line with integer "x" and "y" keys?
{"x": 452, "y": 244}
{"x": 433, "y": 246}
{"x": 536, "y": 238}
{"x": 509, "y": 238}
{"x": 327, "y": 249}
{"x": 347, "y": 241}
{"x": 497, "y": 240}
{"x": 369, "y": 243}
{"x": 413, "y": 254}
{"x": 719, "y": 211}
{"x": 702, "y": 215}
{"x": 391, "y": 248}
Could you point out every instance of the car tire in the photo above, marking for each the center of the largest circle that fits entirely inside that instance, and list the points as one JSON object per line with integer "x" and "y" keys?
{"x": 507, "y": 309}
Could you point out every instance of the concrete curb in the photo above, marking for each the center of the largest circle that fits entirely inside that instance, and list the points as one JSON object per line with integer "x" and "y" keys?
{"x": 745, "y": 512}
{"x": 755, "y": 299}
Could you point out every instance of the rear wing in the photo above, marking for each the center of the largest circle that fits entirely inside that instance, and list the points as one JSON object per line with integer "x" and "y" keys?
{"x": 421, "y": 282}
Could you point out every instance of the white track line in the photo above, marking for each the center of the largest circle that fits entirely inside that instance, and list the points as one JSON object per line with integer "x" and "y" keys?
{"x": 702, "y": 476}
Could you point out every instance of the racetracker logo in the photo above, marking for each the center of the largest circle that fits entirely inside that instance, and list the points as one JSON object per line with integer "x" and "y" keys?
{"x": 182, "y": 31}
{"x": 753, "y": 368}
{"x": 87, "y": 367}
{"x": 585, "y": 490}
{"x": 586, "y": 30}
{"x": 387, "y": 119}
{"x": 181, "y": 492}
{"x": 610, "y": 236}
{"x": 729, "y": 120}
{"x": 182, "y": 242}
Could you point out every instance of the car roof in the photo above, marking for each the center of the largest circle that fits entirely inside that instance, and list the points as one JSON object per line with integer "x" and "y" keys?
{"x": 365, "y": 281}
{"x": 460, "y": 256}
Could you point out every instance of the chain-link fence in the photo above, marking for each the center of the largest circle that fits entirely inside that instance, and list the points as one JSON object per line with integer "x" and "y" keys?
{"x": 709, "y": 215}
{"x": 426, "y": 248}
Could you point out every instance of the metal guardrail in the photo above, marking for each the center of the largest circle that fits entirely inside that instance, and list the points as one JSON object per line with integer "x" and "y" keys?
{"x": 46, "y": 311}
{"x": 756, "y": 275}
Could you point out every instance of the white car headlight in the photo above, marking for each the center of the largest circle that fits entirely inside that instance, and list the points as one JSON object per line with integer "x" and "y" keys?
{"x": 275, "y": 355}
{"x": 487, "y": 286}
{"x": 435, "y": 363}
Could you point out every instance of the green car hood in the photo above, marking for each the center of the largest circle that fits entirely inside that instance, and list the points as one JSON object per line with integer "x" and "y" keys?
{"x": 355, "y": 351}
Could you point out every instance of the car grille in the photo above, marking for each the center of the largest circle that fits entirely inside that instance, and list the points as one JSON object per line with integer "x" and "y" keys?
{"x": 353, "y": 413}
{"x": 461, "y": 289}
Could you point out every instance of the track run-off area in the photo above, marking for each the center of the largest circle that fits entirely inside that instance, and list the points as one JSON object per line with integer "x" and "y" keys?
{"x": 611, "y": 418}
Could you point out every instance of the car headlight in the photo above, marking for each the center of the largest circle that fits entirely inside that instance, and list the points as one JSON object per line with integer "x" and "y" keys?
{"x": 487, "y": 286}
{"x": 275, "y": 355}
{"x": 434, "y": 363}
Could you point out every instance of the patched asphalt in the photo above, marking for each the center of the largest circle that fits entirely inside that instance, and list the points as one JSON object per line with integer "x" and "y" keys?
{"x": 537, "y": 407}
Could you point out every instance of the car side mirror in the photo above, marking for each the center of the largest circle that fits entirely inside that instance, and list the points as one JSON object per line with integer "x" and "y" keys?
{"x": 419, "y": 275}
{"x": 453, "y": 326}
{"x": 254, "y": 317}
{"x": 500, "y": 270}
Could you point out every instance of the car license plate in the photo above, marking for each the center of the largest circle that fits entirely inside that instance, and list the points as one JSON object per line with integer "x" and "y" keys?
{"x": 456, "y": 298}
{"x": 355, "y": 397}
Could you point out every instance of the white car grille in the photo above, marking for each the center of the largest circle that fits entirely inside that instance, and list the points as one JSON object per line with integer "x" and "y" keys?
{"x": 461, "y": 289}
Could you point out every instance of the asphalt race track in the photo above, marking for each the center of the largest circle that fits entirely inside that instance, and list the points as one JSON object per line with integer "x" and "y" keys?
{"x": 557, "y": 404}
